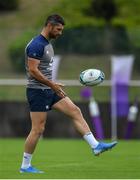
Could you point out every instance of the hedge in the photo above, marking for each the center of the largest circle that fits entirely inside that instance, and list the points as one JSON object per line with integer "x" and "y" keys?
{"x": 16, "y": 51}
{"x": 94, "y": 40}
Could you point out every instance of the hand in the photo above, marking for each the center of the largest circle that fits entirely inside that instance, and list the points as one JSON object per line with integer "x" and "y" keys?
{"x": 57, "y": 87}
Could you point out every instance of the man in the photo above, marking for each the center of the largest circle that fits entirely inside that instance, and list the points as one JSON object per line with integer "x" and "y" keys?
{"x": 43, "y": 94}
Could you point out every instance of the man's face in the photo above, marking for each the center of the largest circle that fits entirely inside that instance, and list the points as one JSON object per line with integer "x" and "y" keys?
{"x": 55, "y": 31}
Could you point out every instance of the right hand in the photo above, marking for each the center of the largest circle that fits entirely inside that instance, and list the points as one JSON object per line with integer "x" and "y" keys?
{"x": 57, "y": 87}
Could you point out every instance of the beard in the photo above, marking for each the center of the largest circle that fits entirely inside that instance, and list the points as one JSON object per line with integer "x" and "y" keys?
{"x": 53, "y": 36}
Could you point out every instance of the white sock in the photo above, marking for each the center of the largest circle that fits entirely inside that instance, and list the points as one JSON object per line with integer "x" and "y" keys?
{"x": 26, "y": 162}
{"x": 90, "y": 139}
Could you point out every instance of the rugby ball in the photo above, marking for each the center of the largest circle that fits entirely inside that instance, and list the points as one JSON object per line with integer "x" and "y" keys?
{"x": 91, "y": 77}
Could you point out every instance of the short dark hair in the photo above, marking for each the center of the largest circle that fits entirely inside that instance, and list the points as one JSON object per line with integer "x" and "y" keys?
{"x": 55, "y": 19}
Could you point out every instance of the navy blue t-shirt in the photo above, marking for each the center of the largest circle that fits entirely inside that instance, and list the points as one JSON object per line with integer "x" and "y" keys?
{"x": 39, "y": 48}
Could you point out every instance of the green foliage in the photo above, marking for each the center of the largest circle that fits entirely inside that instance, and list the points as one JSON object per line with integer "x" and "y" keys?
{"x": 6, "y": 5}
{"x": 16, "y": 51}
{"x": 103, "y": 9}
{"x": 74, "y": 12}
{"x": 84, "y": 34}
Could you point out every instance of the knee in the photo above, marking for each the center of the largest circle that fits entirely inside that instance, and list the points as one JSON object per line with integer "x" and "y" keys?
{"x": 75, "y": 111}
{"x": 38, "y": 131}
{"x": 41, "y": 130}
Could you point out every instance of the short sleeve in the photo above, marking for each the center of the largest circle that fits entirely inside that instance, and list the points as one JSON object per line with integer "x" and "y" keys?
{"x": 35, "y": 50}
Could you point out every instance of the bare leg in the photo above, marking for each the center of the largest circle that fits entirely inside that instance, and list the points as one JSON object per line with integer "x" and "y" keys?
{"x": 38, "y": 120}
{"x": 69, "y": 108}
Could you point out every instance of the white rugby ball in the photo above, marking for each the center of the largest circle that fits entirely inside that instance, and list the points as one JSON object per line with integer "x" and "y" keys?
{"x": 91, "y": 77}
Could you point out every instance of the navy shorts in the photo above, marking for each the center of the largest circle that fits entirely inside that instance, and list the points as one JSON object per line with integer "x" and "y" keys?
{"x": 41, "y": 100}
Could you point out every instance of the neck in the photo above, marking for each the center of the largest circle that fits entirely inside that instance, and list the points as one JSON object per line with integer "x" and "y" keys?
{"x": 45, "y": 33}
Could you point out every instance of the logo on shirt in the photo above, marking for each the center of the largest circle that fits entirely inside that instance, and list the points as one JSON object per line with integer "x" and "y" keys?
{"x": 47, "y": 107}
{"x": 34, "y": 54}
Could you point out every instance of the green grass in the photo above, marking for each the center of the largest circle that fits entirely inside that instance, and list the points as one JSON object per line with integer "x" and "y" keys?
{"x": 71, "y": 159}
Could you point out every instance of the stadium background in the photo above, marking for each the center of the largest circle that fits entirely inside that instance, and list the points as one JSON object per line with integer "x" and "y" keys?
{"x": 95, "y": 29}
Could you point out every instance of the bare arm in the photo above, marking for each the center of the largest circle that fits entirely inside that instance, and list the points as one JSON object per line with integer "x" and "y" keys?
{"x": 36, "y": 73}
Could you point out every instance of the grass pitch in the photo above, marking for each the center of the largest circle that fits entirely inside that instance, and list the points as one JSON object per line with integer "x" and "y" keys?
{"x": 71, "y": 159}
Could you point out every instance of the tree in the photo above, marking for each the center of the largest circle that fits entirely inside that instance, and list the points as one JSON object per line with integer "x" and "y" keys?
{"x": 105, "y": 9}
{"x": 7, "y": 5}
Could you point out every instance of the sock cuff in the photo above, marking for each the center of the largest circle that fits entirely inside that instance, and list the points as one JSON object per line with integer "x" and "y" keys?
{"x": 87, "y": 134}
{"x": 27, "y": 155}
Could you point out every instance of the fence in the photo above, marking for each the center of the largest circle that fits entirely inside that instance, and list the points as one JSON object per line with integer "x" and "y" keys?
{"x": 69, "y": 83}
{"x": 72, "y": 82}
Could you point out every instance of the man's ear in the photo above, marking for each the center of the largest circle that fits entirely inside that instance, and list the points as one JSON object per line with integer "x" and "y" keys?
{"x": 49, "y": 25}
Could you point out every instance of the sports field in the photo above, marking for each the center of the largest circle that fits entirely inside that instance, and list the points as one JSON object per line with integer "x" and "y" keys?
{"x": 69, "y": 159}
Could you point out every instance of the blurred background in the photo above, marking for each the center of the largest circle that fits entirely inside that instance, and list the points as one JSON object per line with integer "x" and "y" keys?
{"x": 100, "y": 34}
